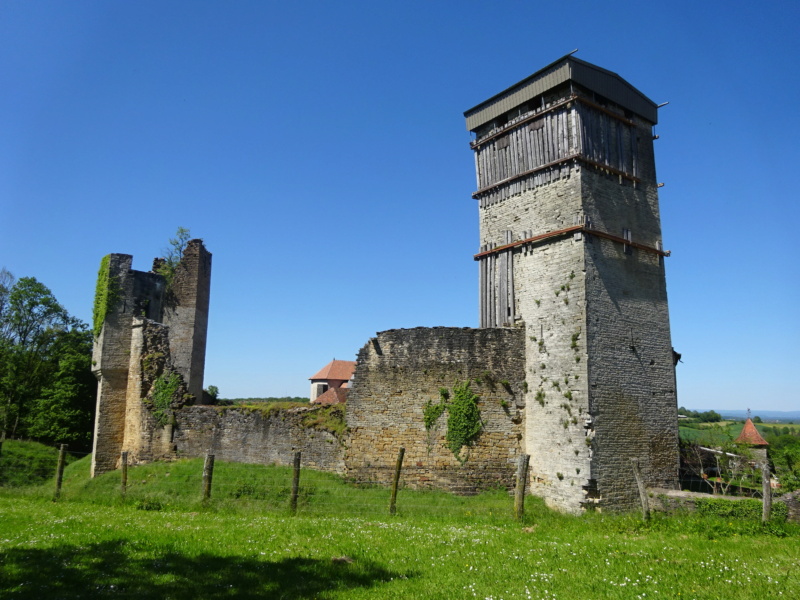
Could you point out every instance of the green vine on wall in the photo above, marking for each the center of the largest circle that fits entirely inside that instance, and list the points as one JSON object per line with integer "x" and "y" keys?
{"x": 463, "y": 416}
{"x": 431, "y": 412}
{"x": 463, "y": 419}
{"x": 163, "y": 393}
{"x": 106, "y": 294}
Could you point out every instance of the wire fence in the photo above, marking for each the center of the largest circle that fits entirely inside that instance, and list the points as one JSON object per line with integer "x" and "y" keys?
{"x": 366, "y": 491}
{"x": 370, "y": 491}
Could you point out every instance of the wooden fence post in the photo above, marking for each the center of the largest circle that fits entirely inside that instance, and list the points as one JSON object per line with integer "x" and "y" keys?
{"x": 123, "y": 488}
{"x": 642, "y": 489}
{"x": 208, "y": 473}
{"x": 396, "y": 480}
{"x": 62, "y": 452}
{"x": 766, "y": 488}
{"x": 519, "y": 492}
{"x": 295, "y": 482}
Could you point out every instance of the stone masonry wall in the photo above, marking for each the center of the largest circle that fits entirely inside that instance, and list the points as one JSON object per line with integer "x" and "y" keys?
{"x": 631, "y": 370}
{"x": 400, "y": 370}
{"x": 550, "y": 298}
{"x": 249, "y": 436}
{"x": 110, "y": 358}
{"x": 592, "y": 403}
{"x": 122, "y": 422}
{"x": 145, "y": 438}
{"x": 186, "y": 314}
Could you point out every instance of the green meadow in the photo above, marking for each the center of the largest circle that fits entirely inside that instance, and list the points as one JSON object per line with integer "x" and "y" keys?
{"x": 162, "y": 541}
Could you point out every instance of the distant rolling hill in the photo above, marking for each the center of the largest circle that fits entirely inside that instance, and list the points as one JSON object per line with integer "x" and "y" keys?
{"x": 766, "y": 415}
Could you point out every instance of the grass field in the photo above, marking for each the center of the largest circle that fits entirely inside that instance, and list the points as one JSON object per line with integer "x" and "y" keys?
{"x": 25, "y": 463}
{"x": 162, "y": 542}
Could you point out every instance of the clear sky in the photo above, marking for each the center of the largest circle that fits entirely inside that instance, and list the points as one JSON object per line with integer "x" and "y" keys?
{"x": 319, "y": 149}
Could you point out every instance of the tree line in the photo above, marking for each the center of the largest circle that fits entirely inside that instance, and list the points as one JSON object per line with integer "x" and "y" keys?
{"x": 47, "y": 390}
{"x": 709, "y": 416}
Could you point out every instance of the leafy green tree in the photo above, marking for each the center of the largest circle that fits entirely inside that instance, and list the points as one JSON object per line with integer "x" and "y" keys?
{"x": 36, "y": 335}
{"x": 710, "y": 416}
{"x": 64, "y": 410}
{"x": 31, "y": 316}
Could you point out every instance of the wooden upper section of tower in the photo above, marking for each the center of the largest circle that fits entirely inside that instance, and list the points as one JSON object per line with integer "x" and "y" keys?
{"x": 566, "y": 71}
{"x": 568, "y": 114}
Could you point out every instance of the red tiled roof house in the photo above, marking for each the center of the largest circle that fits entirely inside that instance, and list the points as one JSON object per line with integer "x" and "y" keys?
{"x": 758, "y": 445}
{"x": 333, "y": 376}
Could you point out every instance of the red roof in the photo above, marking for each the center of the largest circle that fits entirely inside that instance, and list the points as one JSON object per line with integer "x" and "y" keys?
{"x": 332, "y": 396}
{"x": 750, "y": 435}
{"x": 341, "y": 370}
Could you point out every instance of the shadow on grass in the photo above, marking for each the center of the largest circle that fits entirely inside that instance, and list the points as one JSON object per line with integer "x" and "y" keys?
{"x": 108, "y": 569}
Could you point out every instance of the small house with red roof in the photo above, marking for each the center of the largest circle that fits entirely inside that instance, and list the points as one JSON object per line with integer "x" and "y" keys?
{"x": 336, "y": 375}
{"x": 751, "y": 437}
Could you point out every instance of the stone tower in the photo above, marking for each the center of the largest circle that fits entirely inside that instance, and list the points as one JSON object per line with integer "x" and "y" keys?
{"x": 571, "y": 250}
{"x": 144, "y": 331}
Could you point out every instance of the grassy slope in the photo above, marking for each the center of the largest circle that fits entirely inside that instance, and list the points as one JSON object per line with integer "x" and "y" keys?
{"x": 26, "y": 463}
{"x": 244, "y": 545}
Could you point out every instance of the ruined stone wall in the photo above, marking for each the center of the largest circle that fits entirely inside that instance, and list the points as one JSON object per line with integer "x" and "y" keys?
{"x": 122, "y": 421}
{"x": 186, "y": 314}
{"x": 249, "y": 436}
{"x": 398, "y": 371}
{"x": 146, "y": 439}
{"x": 676, "y": 501}
{"x": 110, "y": 363}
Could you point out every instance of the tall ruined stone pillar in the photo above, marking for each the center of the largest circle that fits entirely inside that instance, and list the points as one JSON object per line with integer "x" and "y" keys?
{"x": 110, "y": 359}
{"x": 186, "y": 314}
{"x": 571, "y": 247}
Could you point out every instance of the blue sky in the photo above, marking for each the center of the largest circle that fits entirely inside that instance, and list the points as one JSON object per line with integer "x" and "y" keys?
{"x": 319, "y": 149}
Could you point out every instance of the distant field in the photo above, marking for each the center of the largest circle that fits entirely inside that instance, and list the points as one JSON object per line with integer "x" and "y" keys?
{"x": 719, "y": 433}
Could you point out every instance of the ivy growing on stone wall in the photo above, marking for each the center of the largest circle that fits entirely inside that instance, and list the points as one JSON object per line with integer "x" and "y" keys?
{"x": 463, "y": 416}
{"x": 463, "y": 419}
{"x": 431, "y": 412}
{"x": 163, "y": 393}
{"x": 106, "y": 294}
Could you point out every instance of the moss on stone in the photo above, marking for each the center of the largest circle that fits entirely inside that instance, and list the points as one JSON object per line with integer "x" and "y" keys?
{"x": 106, "y": 294}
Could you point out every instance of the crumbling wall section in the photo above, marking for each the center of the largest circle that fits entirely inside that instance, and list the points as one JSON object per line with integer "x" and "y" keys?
{"x": 399, "y": 371}
{"x": 186, "y": 313}
{"x": 241, "y": 434}
{"x": 114, "y": 300}
{"x": 155, "y": 392}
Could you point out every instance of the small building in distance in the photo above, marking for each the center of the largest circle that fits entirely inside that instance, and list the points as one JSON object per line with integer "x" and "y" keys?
{"x": 751, "y": 437}
{"x": 332, "y": 396}
{"x": 336, "y": 375}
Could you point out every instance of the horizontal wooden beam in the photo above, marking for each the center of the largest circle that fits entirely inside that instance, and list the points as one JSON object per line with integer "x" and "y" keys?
{"x": 566, "y": 231}
{"x": 571, "y": 157}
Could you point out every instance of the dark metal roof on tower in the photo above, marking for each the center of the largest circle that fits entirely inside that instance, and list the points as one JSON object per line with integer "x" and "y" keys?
{"x": 568, "y": 68}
